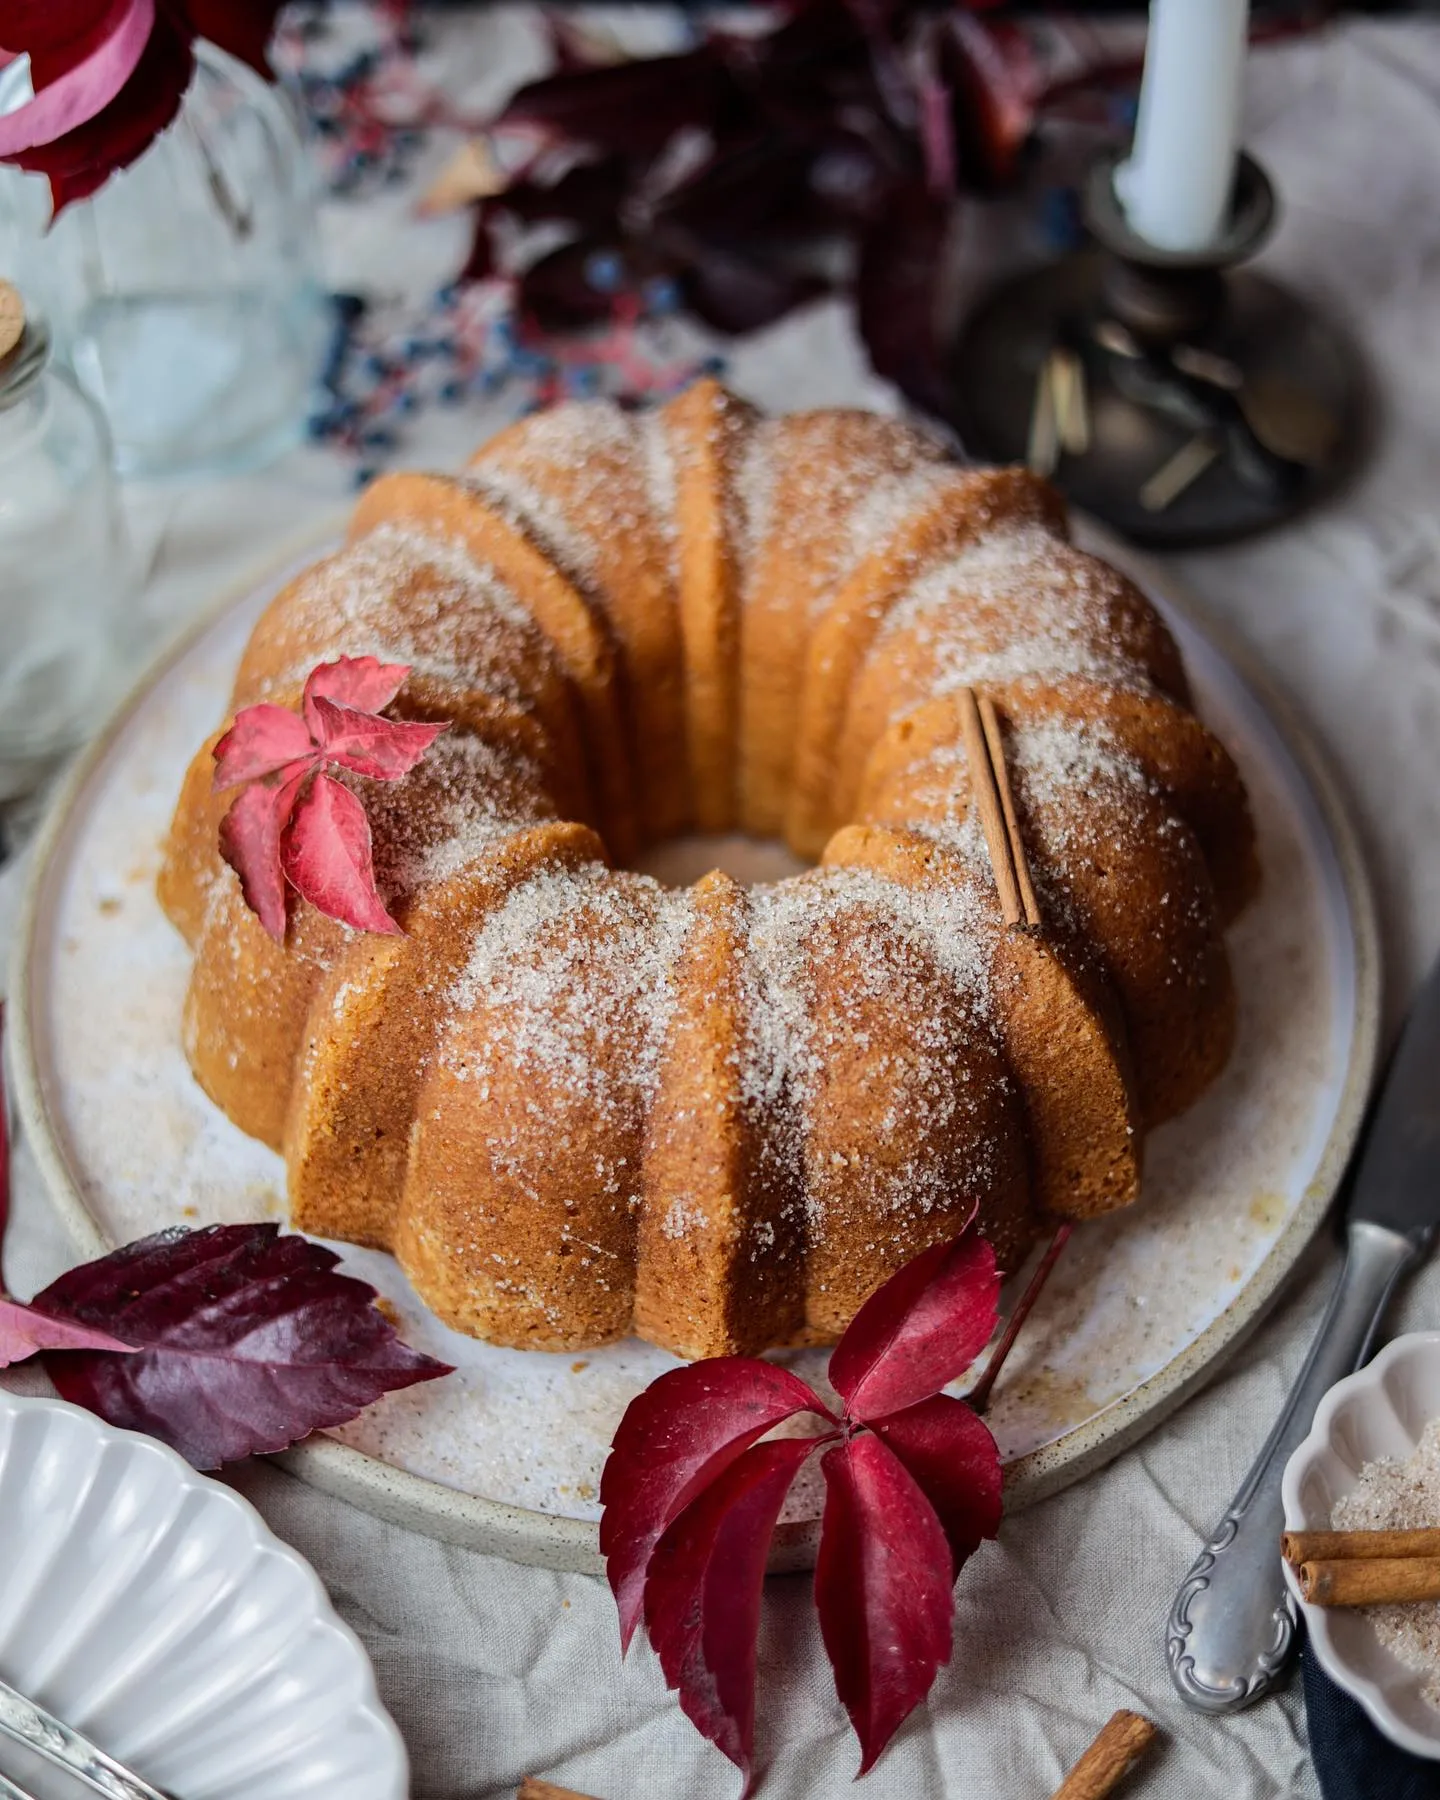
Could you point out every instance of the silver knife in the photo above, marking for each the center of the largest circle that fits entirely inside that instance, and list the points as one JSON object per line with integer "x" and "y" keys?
{"x": 1232, "y": 1627}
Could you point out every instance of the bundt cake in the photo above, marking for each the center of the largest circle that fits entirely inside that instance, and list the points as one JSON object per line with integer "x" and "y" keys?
{"x": 578, "y": 1104}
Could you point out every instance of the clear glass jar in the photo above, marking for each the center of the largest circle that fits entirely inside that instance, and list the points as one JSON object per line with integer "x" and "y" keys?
{"x": 184, "y": 294}
{"x": 66, "y": 576}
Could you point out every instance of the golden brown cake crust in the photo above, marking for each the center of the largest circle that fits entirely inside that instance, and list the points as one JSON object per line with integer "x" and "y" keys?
{"x": 576, "y": 1103}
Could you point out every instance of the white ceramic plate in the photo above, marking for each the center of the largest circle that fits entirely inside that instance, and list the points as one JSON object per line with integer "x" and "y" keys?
{"x": 506, "y": 1453}
{"x": 153, "y": 1610}
{"x": 1379, "y": 1411}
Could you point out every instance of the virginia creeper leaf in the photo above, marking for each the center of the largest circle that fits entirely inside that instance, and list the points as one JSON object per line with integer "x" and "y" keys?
{"x": 326, "y": 853}
{"x": 23, "y": 1332}
{"x": 882, "y": 1588}
{"x": 383, "y": 749}
{"x": 243, "y": 1340}
{"x": 702, "y": 1595}
{"x": 924, "y": 1327}
{"x": 263, "y": 740}
{"x": 362, "y": 682}
{"x": 682, "y": 1433}
{"x": 250, "y": 839}
{"x": 949, "y": 1451}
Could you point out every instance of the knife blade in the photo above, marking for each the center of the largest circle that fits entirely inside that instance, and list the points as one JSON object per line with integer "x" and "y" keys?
{"x": 1232, "y": 1627}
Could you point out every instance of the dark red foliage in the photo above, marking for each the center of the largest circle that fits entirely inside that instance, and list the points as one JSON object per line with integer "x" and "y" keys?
{"x": 691, "y": 1497}
{"x": 882, "y": 1588}
{"x": 240, "y": 1340}
{"x": 756, "y": 172}
{"x": 702, "y": 1593}
{"x": 680, "y": 1434}
{"x": 93, "y": 140}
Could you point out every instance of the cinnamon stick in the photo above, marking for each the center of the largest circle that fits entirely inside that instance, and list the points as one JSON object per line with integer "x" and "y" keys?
{"x": 532, "y": 1788}
{"x": 1370, "y": 1581}
{"x": 1112, "y": 1756}
{"x": 1338, "y": 1546}
{"x": 987, "y": 800}
{"x": 995, "y": 744}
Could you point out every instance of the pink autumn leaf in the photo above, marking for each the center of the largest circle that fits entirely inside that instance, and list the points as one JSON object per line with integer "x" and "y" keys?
{"x": 956, "y": 1464}
{"x": 326, "y": 854}
{"x": 361, "y": 682}
{"x": 250, "y": 840}
{"x": 24, "y": 1332}
{"x": 263, "y": 740}
{"x": 383, "y": 749}
{"x": 241, "y": 1340}
{"x": 702, "y": 1594}
{"x": 882, "y": 1588}
{"x": 681, "y": 1434}
{"x": 924, "y": 1327}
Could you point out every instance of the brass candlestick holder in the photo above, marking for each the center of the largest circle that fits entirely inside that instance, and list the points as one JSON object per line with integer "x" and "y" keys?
{"x": 1179, "y": 399}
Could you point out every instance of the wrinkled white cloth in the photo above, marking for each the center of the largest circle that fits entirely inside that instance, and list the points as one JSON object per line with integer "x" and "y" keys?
{"x": 493, "y": 1671}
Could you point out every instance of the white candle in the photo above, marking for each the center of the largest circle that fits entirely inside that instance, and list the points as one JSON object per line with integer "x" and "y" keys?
{"x": 1176, "y": 187}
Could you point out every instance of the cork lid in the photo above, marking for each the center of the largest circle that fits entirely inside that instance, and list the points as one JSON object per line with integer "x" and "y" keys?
{"x": 12, "y": 320}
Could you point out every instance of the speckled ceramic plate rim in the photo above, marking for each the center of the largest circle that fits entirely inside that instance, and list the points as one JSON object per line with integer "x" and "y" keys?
{"x": 551, "y": 1541}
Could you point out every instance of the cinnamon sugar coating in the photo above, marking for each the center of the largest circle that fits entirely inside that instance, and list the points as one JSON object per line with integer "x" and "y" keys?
{"x": 576, "y": 1103}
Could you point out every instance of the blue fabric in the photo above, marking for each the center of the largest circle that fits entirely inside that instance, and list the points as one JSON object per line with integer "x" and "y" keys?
{"x": 1353, "y": 1760}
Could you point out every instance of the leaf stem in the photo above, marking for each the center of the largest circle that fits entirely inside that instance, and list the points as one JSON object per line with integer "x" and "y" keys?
{"x": 979, "y": 1395}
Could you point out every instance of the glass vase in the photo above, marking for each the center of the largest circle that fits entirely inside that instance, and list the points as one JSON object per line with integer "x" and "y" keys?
{"x": 184, "y": 295}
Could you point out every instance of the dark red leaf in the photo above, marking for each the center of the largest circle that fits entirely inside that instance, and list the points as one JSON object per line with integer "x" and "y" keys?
{"x": 326, "y": 853}
{"x": 363, "y": 682}
{"x": 684, "y": 1431}
{"x": 882, "y": 1588}
{"x": 702, "y": 1595}
{"x": 924, "y": 1327}
{"x": 632, "y": 107}
{"x": 956, "y": 1464}
{"x": 383, "y": 749}
{"x": 482, "y": 262}
{"x": 250, "y": 838}
{"x": 23, "y": 1332}
{"x": 262, "y": 741}
{"x": 992, "y": 72}
{"x": 898, "y": 293}
{"x": 736, "y": 293}
{"x": 245, "y": 1341}
{"x": 588, "y": 195}
{"x": 559, "y": 291}
{"x": 84, "y": 158}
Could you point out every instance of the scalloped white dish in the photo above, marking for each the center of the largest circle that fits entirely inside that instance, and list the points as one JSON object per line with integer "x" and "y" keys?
{"x": 153, "y": 1610}
{"x": 1379, "y": 1411}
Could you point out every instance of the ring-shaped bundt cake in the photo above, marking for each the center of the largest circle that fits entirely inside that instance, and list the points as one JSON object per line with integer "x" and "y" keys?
{"x": 576, "y": 1103}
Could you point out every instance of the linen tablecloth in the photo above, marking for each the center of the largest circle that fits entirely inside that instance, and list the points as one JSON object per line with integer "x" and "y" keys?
{"x": 493, "y": 1671}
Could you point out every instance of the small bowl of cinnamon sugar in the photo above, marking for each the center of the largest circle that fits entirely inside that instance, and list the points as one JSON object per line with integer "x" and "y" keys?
{"x": 1362, "y": 1538}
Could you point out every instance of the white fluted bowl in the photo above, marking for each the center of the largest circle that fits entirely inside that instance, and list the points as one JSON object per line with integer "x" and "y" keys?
{"x": 154, "y": 1611}
{"x": 1380, "y": 1410}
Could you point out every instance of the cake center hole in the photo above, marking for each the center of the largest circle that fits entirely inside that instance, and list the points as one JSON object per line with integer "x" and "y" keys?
{"x": 681, "y": 861}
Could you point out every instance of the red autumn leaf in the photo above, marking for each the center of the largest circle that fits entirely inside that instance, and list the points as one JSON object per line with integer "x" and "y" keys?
{"x": 326, "y": 854}
{"x": 924, "y": 1327}
{"x": 250, "y": 839}
{"x": 702, "y": 1595}
{"x": 955, "y": 1462}
{"x": 682, "y": 1433}
{"x": 262, "y": 741}
{"x": 882, "y": 1588}
{"x": 383, "y": 749}
{"x": 244, "y": 1340}
{"x": 363, "y": 682}
{"x": 23, "y": 1332}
